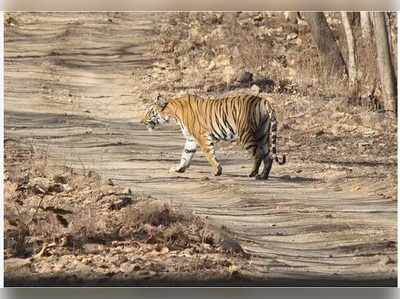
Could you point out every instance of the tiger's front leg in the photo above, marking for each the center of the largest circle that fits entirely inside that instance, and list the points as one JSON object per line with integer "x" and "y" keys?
{"x": 187, "y": 155}
{"x": 207, "y": 148}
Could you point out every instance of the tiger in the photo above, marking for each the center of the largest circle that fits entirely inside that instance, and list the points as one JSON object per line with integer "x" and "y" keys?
{"x": 248, "y": 119}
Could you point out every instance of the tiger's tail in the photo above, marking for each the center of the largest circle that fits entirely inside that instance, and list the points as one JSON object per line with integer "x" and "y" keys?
{"x": 274, "y": 129}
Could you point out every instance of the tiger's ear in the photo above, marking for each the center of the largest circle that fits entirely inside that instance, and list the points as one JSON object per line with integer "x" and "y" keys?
{"x": 161, "y": 102}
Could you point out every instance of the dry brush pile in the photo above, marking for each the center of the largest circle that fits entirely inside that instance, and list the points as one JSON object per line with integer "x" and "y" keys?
{"x": 65, "y": 223}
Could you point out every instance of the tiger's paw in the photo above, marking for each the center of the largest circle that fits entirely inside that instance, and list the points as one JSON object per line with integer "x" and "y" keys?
{"x": 218, "y": 171}
{"x": 177, "y": 169}
{"x": 254, "y": 173}
{"x": 261, "y": 177}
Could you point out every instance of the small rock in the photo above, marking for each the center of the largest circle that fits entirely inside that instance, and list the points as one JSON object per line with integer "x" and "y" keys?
{"x": 93, "y": 174}
{"x": 264, "y": 83}
{"x": 122, "y": 202}
{"x": 40, "y": 185}
{"x": 255, "y": 89}
{"x": 86, "y": 261}
{"x": 291, "y": 36}
{"x": 58, "y": 188}
{"x": 67, "y": 188}
{"x": 60, "y": 178}
{"x": 93, "y": 248}
{"x": 245, "y": 77}
{"x": 231, "y": 246}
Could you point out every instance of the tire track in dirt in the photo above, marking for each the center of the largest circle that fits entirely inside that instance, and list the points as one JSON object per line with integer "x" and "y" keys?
{"x": 295, "y": 227}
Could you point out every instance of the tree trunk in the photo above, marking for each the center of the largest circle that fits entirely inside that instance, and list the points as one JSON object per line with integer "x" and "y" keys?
{"x": 389, "y": 33}
{"x": 352, "y": 67}
{"x": 366, "y": 26}
{"x": 354, "y": 18}
{"x": 384, "y": 61}
{"x": 331, "y": 57}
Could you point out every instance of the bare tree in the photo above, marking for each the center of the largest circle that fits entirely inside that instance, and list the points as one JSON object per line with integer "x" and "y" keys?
{"x": 352, "y": 67}
{"x": 389, "y": 30}
{"x": 354, "y": 18}
{"x": 366, "y": 25}
{"x": 331, "y": 57}
{"x": 384, "y": 61}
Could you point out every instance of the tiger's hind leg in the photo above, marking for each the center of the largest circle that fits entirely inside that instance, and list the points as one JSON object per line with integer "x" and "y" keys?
{"x": 267, "y": 168}
{"x": 256, "y": 144}
{"x": 267, "y": 164}
{"x": 257, "y": 162}
{"x": 251, "y": 146}
{"x": 207, "y": 148}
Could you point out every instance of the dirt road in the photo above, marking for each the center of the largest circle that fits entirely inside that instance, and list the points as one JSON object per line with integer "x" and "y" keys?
{"x": 70, "y": 89}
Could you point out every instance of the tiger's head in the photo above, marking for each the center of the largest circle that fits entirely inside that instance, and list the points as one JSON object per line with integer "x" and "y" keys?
{"x": 154, "y": 114}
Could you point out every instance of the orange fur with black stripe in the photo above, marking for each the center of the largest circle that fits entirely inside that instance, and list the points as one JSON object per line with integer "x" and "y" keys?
{"x": 249, "y": 119}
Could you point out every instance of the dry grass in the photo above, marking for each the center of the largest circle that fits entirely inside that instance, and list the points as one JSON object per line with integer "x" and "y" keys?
{"x": 85, "y": 210}
{"x": 155, "y": 221}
